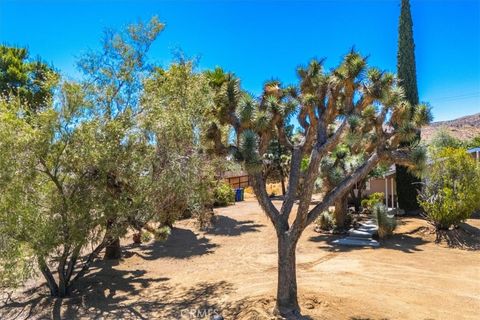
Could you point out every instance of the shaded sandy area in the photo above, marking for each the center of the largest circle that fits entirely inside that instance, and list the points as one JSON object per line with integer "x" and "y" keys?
{"x": 231, "y": 269}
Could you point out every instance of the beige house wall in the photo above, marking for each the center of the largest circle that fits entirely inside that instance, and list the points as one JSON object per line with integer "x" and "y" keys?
{"x": 378, "y": 185}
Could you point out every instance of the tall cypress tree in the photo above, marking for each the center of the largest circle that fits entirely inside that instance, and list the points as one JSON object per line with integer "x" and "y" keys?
{"x": 406, "y": 189}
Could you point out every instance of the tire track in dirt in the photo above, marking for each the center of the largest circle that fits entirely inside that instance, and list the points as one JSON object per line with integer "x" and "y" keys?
{"x": 311, "y": 264}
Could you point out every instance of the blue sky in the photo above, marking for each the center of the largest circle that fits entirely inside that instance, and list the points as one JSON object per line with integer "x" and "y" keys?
{"x": 264, "y": 40}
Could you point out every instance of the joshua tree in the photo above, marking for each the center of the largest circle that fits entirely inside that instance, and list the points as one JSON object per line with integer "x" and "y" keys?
{"x": 277, "y": 162}
{"x": 351, "y": 103}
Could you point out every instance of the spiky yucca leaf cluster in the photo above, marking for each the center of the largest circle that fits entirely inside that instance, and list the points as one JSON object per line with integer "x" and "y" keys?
{"x": 368, "y": 100}
{"x": 249, "y": 151}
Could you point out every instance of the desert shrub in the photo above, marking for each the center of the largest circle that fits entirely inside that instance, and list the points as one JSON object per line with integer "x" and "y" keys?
{"x": 369, "y": 202}
{"x": 386, "y": 222}
{"x": 325, "y": 221}
{"x": 162, "y": 233}
{"x": 348, "y": 219}
{"x": 450, "y": 194}
{"x": 223, "y": 194}
{"x": 145, "y": 236}
{"x": 204, "y": 219}
{"x": 443, "y": 139}
{"x": 176, "y": 121}
{"x": 249, "y": 190}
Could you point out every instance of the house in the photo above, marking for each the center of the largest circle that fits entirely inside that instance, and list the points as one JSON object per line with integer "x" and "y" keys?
{"x": 475, "y": 152}
{"x": 386, "y": 185}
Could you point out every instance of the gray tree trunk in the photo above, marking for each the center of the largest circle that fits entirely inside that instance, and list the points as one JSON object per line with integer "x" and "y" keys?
{"x": 62, "y": 281}
{"x": 341, "y": 209}
{"x": 287, "y": 303}
{"x": 113, "y": 250}
{"x": 52, "y": 285}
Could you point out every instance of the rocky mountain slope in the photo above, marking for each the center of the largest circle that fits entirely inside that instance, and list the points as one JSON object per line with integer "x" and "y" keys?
{"x": 464, "y": 128}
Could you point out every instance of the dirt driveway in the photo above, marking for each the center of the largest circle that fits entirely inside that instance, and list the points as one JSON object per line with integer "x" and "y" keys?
{"x": 231, "y": 269}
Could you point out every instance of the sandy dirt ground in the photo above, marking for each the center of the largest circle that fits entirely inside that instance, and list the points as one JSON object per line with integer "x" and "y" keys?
{"x": 231, "y": 270}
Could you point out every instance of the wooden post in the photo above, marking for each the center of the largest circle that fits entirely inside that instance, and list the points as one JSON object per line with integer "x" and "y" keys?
{"x": 386, "y": 191}
{"x": 391, "y": 185}
{"x": 397, "y": 206}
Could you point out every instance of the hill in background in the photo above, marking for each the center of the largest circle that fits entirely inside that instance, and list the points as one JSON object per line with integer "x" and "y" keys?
{"x": 464, "y": 128}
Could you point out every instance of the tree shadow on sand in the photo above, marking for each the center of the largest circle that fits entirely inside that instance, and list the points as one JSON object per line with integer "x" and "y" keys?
{"x": 25, "y": 309}
{"x": 101, "y": 293}
{"x": 116, "y": 294}
{"x": 226, "y": 226}
{"x": 401, "y": 242}
{"x": 95, "y": 296}
{"x": 181, "y": 244}
{"x": 109, "y": 293}
{"x": 465, "y": 237}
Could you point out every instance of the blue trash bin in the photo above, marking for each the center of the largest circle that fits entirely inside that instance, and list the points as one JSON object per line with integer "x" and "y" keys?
{"x": 238, "y": 194}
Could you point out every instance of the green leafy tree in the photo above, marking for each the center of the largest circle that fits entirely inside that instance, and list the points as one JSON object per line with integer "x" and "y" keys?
{"x": 406, "y": 71}
{"x": 51, "y": 206}
{"x": 57, "y": 199}
{"x": 32, "y": 82}
{"x": 113, "y": 82}
{"x": 78, "y": 173}
{"x": 450, "y": 194}
{"x": 328, "y": 105}
{"x": 175, "y": 107}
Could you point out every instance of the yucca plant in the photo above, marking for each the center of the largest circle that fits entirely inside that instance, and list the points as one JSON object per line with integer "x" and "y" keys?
{"x": 386, "y": 222}
{"x": 325, "y": 221}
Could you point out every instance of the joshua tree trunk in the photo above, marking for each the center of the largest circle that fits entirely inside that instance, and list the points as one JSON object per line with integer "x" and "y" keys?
{"x": 282, "y": 180}
{"x": 341, "y": 212}
{"x": 287, "y": 303}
